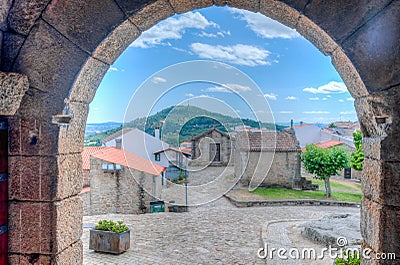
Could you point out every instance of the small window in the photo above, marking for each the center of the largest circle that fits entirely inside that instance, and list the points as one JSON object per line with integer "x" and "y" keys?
{"x": 157, "y": 157}
{"x": 104, "y": 166}
{"x": 118, "y": 167}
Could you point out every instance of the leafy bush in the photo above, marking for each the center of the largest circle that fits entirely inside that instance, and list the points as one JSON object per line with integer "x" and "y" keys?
{"x": 350, "y": 259}
{"x": 117, "y": 227}
{"x": 357, "y": 157}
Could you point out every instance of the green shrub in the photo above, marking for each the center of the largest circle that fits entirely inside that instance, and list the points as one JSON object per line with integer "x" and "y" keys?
{"x": 350, "y": 259}
{"x": 180, "y": 178}
{"x": 117, "y": 227}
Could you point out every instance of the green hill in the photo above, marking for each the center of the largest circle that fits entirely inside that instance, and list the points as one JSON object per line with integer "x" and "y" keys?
{"x": 171, "y": 120}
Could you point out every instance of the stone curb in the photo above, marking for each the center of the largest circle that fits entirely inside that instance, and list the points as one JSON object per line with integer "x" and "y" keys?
{"x": 300, "y": 202}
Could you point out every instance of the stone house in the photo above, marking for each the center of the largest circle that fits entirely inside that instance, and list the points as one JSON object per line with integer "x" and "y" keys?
{"x": 211, "y": 147}
{"x": 271, "y": 159}
{"x": 122, "y": 182}
{"x": 86, "y": 153}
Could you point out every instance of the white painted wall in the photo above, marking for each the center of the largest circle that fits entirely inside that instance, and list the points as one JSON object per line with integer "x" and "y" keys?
{"x": 309, "y": 134}
{"x": 143, "y": 145}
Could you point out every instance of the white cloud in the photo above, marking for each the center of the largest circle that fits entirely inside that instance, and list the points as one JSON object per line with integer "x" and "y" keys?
{"x": 330, "y": 88}
{"x": 158, "y": 80}
{"x": 182, "y": 50}
{"x": 341, "y": 100}
{"x": 350, "y": 99}
{"x": 115, "y": 69}
{"x": 316, "y": 112}
{"x": 172, "y": 29}
{"x": 328, "y": 96}
{"x": 314, "y": 98}
{"x": 207, "y": 35}
{"x": 291, "y": 98}
{"x": 228, "y": 88}
{"x": 271, "y": 96}
{"x": 190, "y": 95}
{"x": 239, "y": 54}
{"x": 347, "y": 112}
{"x": 214, "y": 35}
{"x": 324, "y": 98}
{"x": 265, "y": 27}
{"x": 286, "y": 112}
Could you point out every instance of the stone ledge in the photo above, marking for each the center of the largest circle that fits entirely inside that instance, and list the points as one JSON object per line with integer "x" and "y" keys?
{"x": 12, "y": 88}
{"x": 331, "y": 228}
{"x": 302, "y": 202}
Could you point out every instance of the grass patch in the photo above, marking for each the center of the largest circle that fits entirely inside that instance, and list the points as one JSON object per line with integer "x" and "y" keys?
{"x": 287, "y": 194}
{"x": 335, "y": 185}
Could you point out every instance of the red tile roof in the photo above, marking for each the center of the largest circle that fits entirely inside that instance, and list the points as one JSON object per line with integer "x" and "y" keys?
{"x": 299, "y": 126}
{"x": 86, "y": 153}
{"x": 329, "y": 143}
{"x": 127, "y": 159}
{"x": 326, "y": 144}
{"x": 267, "y": 139}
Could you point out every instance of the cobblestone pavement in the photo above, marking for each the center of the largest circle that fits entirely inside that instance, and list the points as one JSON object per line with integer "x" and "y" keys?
{"x": 216, "y": 233}
{"x": 204, "y": 186}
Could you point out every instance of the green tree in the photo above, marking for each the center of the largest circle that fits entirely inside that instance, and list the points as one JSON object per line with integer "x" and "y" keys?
{"x": 324, "y": 163}
{"x": 357, "y": 157}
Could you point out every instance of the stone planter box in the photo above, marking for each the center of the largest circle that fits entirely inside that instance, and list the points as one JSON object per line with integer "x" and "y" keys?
{"x": 109, "y": 242}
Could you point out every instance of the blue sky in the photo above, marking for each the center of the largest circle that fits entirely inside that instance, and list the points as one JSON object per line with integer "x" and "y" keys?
{"x": 296, "y": 79}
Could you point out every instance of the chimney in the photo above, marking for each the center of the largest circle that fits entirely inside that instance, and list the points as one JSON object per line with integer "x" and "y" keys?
{"x": 157, "y": 132}
{"x": 118, "y": 143}
{"x": 291, "y": 123}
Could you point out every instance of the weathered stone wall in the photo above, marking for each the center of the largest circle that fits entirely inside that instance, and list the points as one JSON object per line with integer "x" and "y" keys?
{"x": 86, "y": 178}
{"x": 355, "y": 174}
{"x": 12, "y": 88}
{"x": 280, "y": 173}
{"x": 119, "y": 191}
{"x": 85, "y": 202}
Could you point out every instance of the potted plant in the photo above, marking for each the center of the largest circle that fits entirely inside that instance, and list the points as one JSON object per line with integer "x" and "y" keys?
{"x": 110, "y": 237}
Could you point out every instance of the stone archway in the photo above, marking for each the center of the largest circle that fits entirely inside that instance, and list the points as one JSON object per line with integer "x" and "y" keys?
{"x": 66, "y": 47}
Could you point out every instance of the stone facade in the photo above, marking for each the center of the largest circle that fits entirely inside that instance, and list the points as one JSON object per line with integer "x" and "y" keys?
{"x": 269, "y": 158}
{"x": 126, "y": 191}
{"x": 212, "y": 147}
{"x": 66, "y": 47}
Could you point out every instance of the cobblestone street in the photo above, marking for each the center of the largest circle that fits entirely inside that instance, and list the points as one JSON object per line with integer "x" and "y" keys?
{"x": 216, "y": 233}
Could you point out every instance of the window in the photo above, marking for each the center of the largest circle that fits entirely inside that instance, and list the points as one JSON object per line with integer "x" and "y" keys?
{"x": 157, "y": 157}
{"x": 111, "y": 167}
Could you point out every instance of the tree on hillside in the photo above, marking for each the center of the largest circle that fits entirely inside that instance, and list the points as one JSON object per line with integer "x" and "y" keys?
{"x": 324, "y": 163}
{"x": 357, "y": 157}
